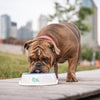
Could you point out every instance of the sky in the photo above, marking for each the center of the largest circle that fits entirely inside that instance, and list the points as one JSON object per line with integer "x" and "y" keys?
{"x": 22, "y": 11}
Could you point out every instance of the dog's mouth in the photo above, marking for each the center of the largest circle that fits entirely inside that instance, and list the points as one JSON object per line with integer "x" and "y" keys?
{"x": 37, "y": 71}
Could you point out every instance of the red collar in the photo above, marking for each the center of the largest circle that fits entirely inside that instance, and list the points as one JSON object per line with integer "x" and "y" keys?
{"x": 47, "y": 37}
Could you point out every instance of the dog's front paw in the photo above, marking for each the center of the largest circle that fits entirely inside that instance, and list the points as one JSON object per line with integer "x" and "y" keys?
{"x": 71, "y": 78}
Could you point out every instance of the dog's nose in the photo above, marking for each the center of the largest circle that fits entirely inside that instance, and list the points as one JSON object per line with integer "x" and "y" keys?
{"x": 38, "y": 64}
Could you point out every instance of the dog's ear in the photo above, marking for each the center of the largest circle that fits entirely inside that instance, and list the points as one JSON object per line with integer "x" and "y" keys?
{"x": 54, "y": 48}
{"x": 27, "y": 44}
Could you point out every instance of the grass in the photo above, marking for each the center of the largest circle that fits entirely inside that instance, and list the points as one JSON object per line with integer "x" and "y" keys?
{"x": 64, "y": 67}
{"x": 12, "y": 66}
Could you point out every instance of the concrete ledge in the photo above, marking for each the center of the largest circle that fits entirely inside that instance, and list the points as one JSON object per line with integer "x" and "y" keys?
{"x": 15, "y": 49}
{"x": 88, "y": 85}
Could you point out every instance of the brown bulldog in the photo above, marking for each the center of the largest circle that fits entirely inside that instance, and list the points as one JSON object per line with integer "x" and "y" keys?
{"x": 55, "y": 44}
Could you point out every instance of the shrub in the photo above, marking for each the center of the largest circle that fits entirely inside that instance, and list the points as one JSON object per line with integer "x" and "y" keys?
{"x": 87, "y": 53}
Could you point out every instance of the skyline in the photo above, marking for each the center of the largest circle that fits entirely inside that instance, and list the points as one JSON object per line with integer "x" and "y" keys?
{"x": 22, "y": 11}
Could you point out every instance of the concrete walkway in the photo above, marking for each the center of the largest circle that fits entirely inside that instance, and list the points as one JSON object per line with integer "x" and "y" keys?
{"x": 89, "y": 84}
{"x": 16, "y": 49}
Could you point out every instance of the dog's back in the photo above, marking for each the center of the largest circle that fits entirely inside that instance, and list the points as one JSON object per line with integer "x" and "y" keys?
{"x": 75, "y": 31}
{"x": 73, "y": 28}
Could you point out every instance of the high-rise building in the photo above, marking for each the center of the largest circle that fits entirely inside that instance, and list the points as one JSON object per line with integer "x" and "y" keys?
{"x": 42, "y": 21}
{"x": 92, "y": 38}
{"x": 29, "y": 25}
{"x": 25, "y": 32}
{"x": 13, "y": 30}
{"x": 5, "y": 26}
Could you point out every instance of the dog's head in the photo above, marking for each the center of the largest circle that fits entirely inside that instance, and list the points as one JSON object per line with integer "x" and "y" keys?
{"x": 41, "y": 55}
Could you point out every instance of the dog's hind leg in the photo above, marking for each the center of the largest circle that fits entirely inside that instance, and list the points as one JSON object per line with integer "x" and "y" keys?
{"x": 72, "y": 69}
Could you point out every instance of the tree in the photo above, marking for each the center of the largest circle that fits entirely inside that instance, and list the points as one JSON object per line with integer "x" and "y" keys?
{"x": 68, "y": 13}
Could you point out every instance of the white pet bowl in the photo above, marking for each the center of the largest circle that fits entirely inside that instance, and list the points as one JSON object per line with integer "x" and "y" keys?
{"x": 38, "y": 79}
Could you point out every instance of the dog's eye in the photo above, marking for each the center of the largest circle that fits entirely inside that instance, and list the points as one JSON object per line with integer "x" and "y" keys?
{"x": 32, "y": 59}
{"x": 45, "y": 60}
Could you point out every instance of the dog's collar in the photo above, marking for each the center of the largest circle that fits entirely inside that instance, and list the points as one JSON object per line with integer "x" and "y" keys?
{"x": 47, "y": 37}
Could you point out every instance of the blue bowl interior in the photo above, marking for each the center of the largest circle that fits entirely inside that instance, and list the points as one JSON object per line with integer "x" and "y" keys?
{"x": 37, "y": 73}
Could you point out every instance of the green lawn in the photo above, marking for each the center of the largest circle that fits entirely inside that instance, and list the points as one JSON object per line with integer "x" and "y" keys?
{"x": 12, "y": 66}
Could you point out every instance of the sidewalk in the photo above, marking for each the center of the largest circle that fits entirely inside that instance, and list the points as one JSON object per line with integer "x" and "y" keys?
{"x": 88, "y": 85}
{"x": 16, "y": 49}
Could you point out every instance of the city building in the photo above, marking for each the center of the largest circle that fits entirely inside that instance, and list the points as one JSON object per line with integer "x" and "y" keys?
{"x": 29, "y": 25}
{"x": 5, "y": 26}
{"x": 42, "y": 21}
{"x": 96, "y": 23}
{"x": 25, "y": 32}
{"x": 13, "y": 30}
{"x": 92, "y": 38}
